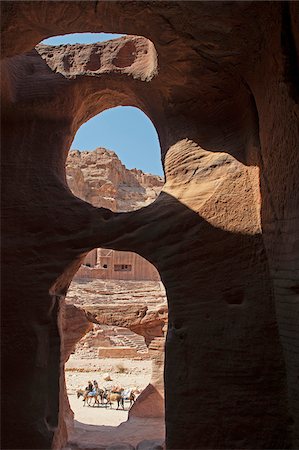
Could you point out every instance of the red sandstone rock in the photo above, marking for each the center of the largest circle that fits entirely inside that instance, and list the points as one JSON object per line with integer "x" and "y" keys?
{"x": 150, "y": 445}
{"x": 221, "y": 89}
{"x": 100, "y": 178}
{"x": 150, "y": 402}
{"x": 74, "y": 325}
{"x": 138, "y": 318}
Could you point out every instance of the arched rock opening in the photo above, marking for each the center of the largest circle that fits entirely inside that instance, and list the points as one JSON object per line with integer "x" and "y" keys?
{"x": 121, "y": 310}
{"x": 225, "y": 85}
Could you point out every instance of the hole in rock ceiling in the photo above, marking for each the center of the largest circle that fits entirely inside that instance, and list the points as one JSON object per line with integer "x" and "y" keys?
{"x": 127, "y": 131}
{"x": 100, "y": 51}
{"x": 81, "y": 38}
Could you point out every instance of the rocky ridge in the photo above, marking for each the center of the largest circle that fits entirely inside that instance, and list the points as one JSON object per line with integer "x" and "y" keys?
{"x": 140, "y": 307}
{"x": 100, "y": 178}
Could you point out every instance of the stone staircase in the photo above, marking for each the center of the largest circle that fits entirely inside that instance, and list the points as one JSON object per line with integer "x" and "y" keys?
{"x": 132, "y": 341}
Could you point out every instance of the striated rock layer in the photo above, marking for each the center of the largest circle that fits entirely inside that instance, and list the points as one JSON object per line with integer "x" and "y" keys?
{"x": 139, "y": 306}
{"x": 219, "y": 80}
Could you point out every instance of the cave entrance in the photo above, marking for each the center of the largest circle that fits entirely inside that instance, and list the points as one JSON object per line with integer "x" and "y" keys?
{"x": 123, "y": 349}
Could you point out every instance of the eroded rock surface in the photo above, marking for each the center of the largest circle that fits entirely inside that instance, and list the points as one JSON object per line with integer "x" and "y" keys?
{"x": 75, "y": 324}
{"x": 139, "y": 306}
{"x": 219, "y": 82}
{"x": 100, "y": 178}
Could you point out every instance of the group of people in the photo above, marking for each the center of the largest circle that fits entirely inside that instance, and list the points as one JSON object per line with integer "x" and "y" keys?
{"x": 92, "y": 388}
{"x": 106, "y": 396}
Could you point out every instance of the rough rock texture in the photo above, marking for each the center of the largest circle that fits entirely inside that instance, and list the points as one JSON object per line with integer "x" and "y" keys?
{"x": 105, "y": 339}
{"x": 116, "y": 293}
{"x": 219, "y": 80}
{"x": 150, "y": 402}
{"x": 150, "y": 445}
{"x": 100, "y": 178}
{"x": 138, "y": 318}
{"x": 118, "y": 352}
{"x": 138, "y": 306}
{"x": 75, "y": 324}
{"x": 121, "y": 447}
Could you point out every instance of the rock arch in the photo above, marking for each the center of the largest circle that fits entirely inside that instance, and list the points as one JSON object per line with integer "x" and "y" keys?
{"x": 224, "y": 104}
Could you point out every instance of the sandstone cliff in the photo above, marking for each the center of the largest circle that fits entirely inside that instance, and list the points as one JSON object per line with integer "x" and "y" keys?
{"x": 100, "y": 178}
{"x": 138, "y": 306}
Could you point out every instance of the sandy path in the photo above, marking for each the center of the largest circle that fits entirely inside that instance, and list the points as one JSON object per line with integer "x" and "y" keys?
{"x": 132, "y": 432}
{"x": 113, "y": 429}
{"x": 100, "y": 416}
{"x": 78, "y": 372}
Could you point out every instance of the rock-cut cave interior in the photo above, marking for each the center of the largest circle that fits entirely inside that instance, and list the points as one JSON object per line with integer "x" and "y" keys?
{"x": 220, "y": 83}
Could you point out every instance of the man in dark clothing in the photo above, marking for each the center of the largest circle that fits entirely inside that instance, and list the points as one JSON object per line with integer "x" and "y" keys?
{"x": 89, "y": 388}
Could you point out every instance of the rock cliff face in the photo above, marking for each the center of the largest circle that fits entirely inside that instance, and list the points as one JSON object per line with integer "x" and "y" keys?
{"x": 138, "y": 306}
{"x": 100, "y": 178}
{"x": 219, "y": 80}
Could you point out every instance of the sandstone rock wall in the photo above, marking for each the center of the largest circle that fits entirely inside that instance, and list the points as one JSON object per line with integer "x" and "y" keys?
{"x": 219, "y": 82}
{"x": 122, "y": 342}
{"x": 117, "y": 352}
{"x": 139, "y": 306}
{"x": 150, "y": 403}
{"x": 74, "y": 325}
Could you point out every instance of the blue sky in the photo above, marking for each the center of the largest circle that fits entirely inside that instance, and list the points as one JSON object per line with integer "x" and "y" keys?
{"x": 126, "y": 130}
{"x": 80, "y": 38}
